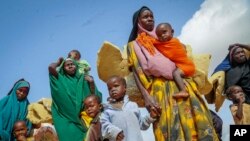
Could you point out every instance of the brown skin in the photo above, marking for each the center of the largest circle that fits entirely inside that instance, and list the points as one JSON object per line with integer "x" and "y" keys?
{"x": 74, "y": 55}
{"x": 117, "y": 90}
{"x": 22, "y": 93}
{"x": 238, "y": 97}
{"x": 91, "y": 106}
{"x": 20, "y": 130}
{"x": 146, "y": 20}
{"x": 165, "y": 33}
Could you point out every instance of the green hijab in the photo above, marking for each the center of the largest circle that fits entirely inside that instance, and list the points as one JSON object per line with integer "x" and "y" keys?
{"x": 12, "y": 110}
{"x": 67, "y": 94}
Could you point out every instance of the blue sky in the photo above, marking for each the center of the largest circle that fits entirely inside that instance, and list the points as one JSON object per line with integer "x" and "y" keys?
{"x": 34, "y": 33}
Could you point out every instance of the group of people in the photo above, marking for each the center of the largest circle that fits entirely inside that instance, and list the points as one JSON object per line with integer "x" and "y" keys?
{"x": 175, "y": 108}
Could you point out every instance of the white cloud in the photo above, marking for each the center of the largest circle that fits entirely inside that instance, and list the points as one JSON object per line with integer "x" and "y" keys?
{"x": 216, "y": 25}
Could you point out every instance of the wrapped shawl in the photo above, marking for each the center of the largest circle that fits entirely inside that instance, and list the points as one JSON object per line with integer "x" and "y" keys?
{"x": 12, "y": 110}
{"x": 67, "y": 94}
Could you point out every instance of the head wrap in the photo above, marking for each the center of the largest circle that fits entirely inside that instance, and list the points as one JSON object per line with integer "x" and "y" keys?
{"x": 134, "y": 31}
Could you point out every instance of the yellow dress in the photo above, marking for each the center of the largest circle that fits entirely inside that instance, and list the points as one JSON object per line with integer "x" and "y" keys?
{"x": 181, "y": 120}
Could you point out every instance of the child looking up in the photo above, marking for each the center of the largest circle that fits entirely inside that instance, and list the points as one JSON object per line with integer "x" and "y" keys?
{"x": 173, "y": 49}
{"x": 83, "y": 65}
{"x": 90, "y": 116}
{"x": 239, "y": 109}
{"x": 121, "y": 118}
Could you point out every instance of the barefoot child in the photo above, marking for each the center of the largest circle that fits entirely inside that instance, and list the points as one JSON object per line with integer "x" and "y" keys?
{"x": 173, "y": 49}
{"x": 121, "y": 119}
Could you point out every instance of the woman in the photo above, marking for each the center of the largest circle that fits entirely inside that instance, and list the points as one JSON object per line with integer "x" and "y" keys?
{"x": 184, "y": 119}
{"x": 13, "y": 108}
{"x": 236, "y": 68}
{"x": 68, "y": 89}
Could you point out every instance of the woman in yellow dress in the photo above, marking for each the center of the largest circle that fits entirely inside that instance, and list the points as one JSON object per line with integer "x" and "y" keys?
{"x": 181, "y": 119}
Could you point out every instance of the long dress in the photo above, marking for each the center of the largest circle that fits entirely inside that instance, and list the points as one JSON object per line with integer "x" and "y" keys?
{"x": 68, "y": 93}
{"x": 182, "y": 119}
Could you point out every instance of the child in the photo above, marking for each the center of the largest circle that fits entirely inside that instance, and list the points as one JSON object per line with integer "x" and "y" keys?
{"x": 90, "y": 117}
{"x": 20, "y": 131}
{"x": 83, "y": 65}
{"x": 239, "y": 109}
{"x": 121, "y": 118}
{"x": 173, "y": 49}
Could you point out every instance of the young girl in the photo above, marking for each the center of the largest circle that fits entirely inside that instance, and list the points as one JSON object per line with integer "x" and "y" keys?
{"x": 121, "y": 118}
{"x": 239, "y": 109}
{"x": 90, "y": 116}
{"x": 14, "y": 107}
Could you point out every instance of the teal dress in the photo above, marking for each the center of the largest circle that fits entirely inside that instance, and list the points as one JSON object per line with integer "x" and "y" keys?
{"x": 12, "y": 110}
{"x": 68, "y": 93}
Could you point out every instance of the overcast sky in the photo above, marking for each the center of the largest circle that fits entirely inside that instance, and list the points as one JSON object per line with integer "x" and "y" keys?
{"x": 34, "y": 33}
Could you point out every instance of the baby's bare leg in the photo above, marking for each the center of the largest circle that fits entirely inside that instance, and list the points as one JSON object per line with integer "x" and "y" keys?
{"x": 178, "y": 78}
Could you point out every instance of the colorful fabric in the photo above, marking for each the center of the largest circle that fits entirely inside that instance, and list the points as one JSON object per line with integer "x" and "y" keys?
{"x": 94, "y": 131}
{"x": 12, "y": 110}
{"x": 150, "y": 63}
{"x": 86, "y": 119}
{"x": 246, "y": 114}
{"x": 171, "y": 49}
{"x": 181, "y": 119}
{"x": 67, "y": 94}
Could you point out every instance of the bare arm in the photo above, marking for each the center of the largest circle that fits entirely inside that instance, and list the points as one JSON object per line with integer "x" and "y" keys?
{"x": 240, "y": 45}
{"x": 149, "y": 101}
{"x": 53, "y": 66}
{"x": 239, "y": 113}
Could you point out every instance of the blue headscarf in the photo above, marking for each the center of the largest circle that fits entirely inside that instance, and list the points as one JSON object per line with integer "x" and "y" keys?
{"x": 12, "y": 110}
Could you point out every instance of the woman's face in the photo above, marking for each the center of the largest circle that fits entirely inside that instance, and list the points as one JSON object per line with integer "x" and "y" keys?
{"x": 146, "y": 20}
{"x": 69, "y": 67}
{"x": 22, "y": 93}
{"x": 239, "y": 56}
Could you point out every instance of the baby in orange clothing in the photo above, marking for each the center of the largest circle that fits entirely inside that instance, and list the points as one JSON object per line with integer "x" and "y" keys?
{"x": 173, "y": 49}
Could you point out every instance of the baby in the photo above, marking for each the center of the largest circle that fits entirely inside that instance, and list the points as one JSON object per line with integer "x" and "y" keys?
{"x": 121, "y": 118}
{"x": 239, "y": 109}
{"x": 83, "y": 65}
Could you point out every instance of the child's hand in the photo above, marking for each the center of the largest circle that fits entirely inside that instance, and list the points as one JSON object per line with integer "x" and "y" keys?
{"x": 155, "y": 111}
{"x": 120, "y": 136}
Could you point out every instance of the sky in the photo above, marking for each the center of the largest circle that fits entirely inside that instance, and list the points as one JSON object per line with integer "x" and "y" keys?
{"x": 35, "y": 33}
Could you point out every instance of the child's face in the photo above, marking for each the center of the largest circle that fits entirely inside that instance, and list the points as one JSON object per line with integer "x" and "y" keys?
{"x": 116, "y": 89}
{"x": 22, "y": 93}
{"x": 91, "y": 106}
{"x": 237, "y": 94}
{"x": 75, "y": 55}
{"x": 69, "y": 67}
{"x": 164, "y": 33}
{"x": 20, "y": 129}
